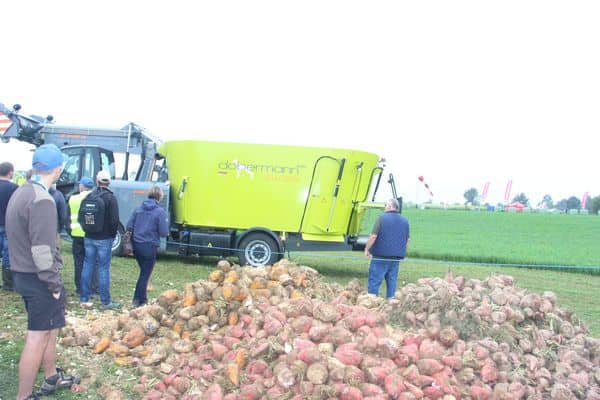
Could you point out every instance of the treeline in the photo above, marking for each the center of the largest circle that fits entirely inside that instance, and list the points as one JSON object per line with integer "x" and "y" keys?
{"x": 572, "y": 203}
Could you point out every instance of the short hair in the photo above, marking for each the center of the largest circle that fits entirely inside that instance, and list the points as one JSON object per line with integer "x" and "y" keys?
{"x": 6, "y": 168}
{"x": 155, "y": 193}
{"x": 41, "y": 173}
{"x": 394, "y": 204}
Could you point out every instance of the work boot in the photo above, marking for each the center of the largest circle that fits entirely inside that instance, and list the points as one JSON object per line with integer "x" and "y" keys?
{"x": 7, "y": 282}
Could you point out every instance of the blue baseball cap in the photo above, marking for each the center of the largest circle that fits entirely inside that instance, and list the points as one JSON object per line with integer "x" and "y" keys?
{"x": 47, "y": 157}
{"x": 86, "y": 181}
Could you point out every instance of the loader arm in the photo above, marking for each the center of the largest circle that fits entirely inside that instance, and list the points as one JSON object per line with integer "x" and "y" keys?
{"x": 131, "y": 139}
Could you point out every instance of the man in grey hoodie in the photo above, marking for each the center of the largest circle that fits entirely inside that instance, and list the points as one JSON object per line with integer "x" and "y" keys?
{"x": 35, "y": 262}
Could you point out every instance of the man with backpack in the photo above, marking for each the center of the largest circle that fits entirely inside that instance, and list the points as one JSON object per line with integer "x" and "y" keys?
{"x": 99, "y": 219}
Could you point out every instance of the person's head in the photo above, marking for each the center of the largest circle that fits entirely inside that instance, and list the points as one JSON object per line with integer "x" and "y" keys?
{"x": 155, "y": 193}
{"x": 103, "y": 178}
{"x": 86, "y": 183}
{"x": 47, "y": 162}
{"x": 392, "y": 205}
{"x": 6, "y": 170}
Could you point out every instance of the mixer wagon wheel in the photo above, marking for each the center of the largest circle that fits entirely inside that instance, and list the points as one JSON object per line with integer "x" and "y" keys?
{"x": 258, "y": 249}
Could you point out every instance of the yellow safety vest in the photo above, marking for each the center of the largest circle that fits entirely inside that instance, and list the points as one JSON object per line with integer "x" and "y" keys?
{"x": 74, "y": 204}
{"x": 19, "y": 179}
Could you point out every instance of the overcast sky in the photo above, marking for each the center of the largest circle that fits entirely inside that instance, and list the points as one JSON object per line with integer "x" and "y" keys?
{"x": 460, "y": 92}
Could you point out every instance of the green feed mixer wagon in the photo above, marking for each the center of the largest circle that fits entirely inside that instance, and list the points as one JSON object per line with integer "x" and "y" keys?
{"x": 226, "y": 199}
{"x": 257, "y": 201}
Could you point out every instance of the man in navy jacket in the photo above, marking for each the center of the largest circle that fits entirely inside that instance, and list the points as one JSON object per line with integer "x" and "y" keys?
{"x": 386, "y": 247}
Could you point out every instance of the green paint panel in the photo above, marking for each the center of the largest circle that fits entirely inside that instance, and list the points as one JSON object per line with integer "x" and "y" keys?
{"x": 235, "y": 185}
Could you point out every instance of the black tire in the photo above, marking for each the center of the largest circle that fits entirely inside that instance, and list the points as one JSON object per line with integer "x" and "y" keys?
{"x": 116, "y": 244}
{"x": 258, "y": 249}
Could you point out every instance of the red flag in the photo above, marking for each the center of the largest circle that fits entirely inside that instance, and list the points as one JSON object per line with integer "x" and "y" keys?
{"x": 484, "y": 192}
{"x": 584, "y": 200}
{"x": 426, "y": 185}
{"x": 508, "y": 190}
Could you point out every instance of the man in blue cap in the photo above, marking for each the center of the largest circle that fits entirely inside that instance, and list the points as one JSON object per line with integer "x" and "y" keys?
{"x": 31, "y": 226}
{"x": 86, "y": 184}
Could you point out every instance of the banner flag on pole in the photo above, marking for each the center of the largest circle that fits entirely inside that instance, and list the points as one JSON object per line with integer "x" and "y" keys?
{"x": 422, "y": 180}
{"x": 484, "y": 192}
{"x": 508, "y": 190}
{"x": 584, "y": 200}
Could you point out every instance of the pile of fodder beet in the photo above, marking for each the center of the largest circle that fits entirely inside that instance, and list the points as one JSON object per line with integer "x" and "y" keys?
{"x": 280, "y": 332}
{"x": 504, "y": 335}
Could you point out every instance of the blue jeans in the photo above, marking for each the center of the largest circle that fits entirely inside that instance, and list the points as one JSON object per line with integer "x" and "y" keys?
{"x": 380, "y": 269}
{"x": 145, "y": 254}
{"x": 4, "y": 249}
{"x": 97, "y": 253}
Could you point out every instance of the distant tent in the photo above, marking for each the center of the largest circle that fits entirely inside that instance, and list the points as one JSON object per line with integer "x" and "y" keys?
{"x": 516, "y": 206}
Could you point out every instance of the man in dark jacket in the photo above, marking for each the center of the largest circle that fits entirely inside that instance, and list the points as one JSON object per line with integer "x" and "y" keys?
{"x": 98, "y": 246}
{"x": 7, "y": 188}
{"x": 386, "y": 247}
{"x": 61, "y": 209}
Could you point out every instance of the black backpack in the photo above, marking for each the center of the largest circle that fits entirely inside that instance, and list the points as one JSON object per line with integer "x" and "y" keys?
{"x": 92, "y": 212}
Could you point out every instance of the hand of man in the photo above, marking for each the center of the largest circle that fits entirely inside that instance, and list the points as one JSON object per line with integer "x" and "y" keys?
{"x": 367, "y": 253}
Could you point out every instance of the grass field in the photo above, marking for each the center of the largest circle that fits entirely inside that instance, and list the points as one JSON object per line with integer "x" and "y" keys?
{"x": 498, "y": 237}
{"x": 574, "y": 291}
{"x": 476, "y": 237}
